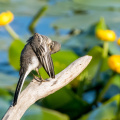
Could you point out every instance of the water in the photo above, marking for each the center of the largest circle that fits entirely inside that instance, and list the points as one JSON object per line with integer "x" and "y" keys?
{"x": 20, "y": 26}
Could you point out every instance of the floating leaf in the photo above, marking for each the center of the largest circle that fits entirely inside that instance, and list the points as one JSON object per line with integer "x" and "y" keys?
{"x": 82, "y": 43}
{"x": 107, "y": 111}
{"x": 102, "y": 3}
{"x": 70, "y": 103}
{"x": 104, "y": 65}
{"x": 3, "y": 107}
{"x": 14, "y": 53}
{"x": 94, "y": 65}
{"x": 114, "y": 48}
{"x": 67, "y": 7}
{"x": 39, "y": 113}
{"x": 7, "y": 81}
{"x": 5, "y": 94}
{"x": 34, "y": 112}
{"x": 116, "y": 80}
{"x": 29, "y": 7}
{"x": 80, "y": 21}
{"x": 63, "y": 8}
{"x": 84, "y": 21}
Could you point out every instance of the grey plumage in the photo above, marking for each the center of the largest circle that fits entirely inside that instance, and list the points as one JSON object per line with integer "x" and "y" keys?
{"x": 36, "y": 54}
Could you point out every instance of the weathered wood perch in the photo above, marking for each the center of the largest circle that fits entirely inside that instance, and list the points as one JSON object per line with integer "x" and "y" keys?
{"x": 35, "y": 91}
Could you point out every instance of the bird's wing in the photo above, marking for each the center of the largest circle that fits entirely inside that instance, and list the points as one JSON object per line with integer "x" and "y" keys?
{"x": 44, "y": 56}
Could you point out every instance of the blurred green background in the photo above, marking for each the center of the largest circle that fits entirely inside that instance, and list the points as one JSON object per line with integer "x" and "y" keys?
{"x": 95, "y": 93}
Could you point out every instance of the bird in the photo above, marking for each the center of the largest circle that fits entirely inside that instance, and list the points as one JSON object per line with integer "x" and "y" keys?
{"x": 36, "y": 54}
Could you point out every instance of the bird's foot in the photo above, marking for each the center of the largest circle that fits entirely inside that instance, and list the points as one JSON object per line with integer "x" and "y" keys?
{"x": 37, "y": 79}
{"x": 43, "y": 79}
{"x": 40, "y": 79}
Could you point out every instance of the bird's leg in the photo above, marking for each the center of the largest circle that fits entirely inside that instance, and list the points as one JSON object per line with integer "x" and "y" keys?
{"x": 36, "y": 78}
{"x": 37, "y": 70}
{"x": 38, "y": 73}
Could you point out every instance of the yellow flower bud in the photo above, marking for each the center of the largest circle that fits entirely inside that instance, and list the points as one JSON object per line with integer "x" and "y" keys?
{"x": 6, "y": 18}
{"x": 106, "y": 35}
{"x": 99, "y": 34}
{"x": 114, "y": 63}
{"x": 118, "y": 41}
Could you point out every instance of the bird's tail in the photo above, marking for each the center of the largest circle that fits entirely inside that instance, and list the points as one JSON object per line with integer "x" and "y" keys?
{"x": 18, "y": 88}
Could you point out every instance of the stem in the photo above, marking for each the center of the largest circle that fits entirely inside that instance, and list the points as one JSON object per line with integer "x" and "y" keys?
{"x": 105, "y": 49}
{"x": 106, "y": 87}
{"x": 11, "y": 31}
{"x": 36, "y": 18}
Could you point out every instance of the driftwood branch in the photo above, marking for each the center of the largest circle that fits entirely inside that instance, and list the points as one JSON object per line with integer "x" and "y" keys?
{"x": 35, "y": 91}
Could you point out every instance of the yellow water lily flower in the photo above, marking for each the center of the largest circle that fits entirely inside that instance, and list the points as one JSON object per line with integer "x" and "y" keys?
{"x": 106, "y": 35}
{"x": 6, "y": 18}
{"x": 118, "y": 41}
{"x": 114, "y": 63}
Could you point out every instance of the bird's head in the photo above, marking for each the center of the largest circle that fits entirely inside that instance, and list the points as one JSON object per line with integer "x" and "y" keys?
{"x": 55, "y": 47}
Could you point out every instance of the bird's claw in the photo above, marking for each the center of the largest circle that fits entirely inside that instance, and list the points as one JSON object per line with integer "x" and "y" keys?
{"x": 42, "y": 80}
{"x": 45, "y": 80}
{"x": 39, "y": 79}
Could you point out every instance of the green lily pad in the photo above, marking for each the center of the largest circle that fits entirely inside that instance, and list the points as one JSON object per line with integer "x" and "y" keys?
{"x": 14, "y": 53}
{"x": 82, "y": 42}
{"x": 7, "y": 81}
{"x": 34, "y": 112}
{"x": 104, "y": 65}
{"x": 4, "y": 105}
{"x": 81, "y": 20}
{"x": 62, "y": 8}
{"x": 70, "y": 104}
{"x": 92, "y": 68}
{"x": 107, "y": 111}
{"x": 40, "y": 113}
{"x": 114, "y": 48}
{"x": 101, "y": 3}
{"x": 116, "y": 80}
{"x": 29, "y": 7}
